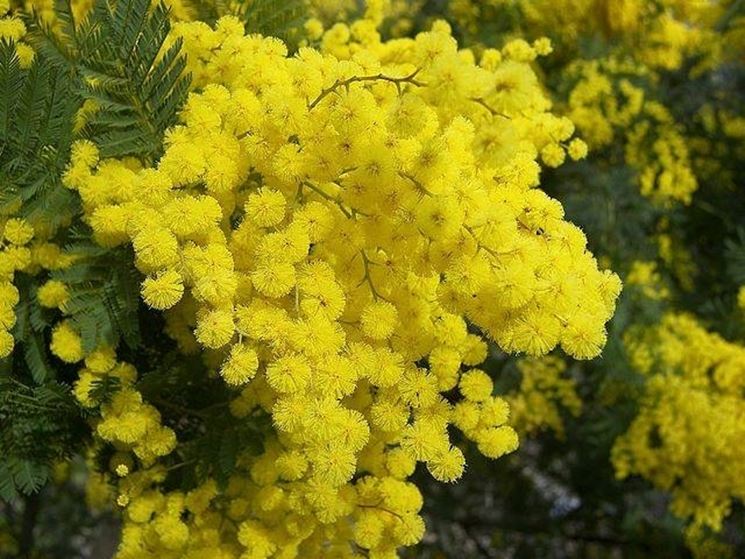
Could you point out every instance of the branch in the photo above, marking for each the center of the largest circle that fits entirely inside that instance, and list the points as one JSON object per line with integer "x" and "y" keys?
{"x": 30, "y": 513}
{"x": 382, "y": 509}
{"x": 491, "y": 110}
{"x": 377, "y": 77}
{"x": 328, "y": 197}
{"x": 368, "y": 278}
{"x": 419, "y": 186}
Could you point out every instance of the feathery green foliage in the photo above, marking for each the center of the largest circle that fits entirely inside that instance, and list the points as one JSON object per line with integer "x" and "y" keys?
{"x": 30, "y": 415}
{"x": 104, "y": 296}
{"x": 119, "y": 60}
{"x": 276, "y": 18}
{"x": 37, "y": 108}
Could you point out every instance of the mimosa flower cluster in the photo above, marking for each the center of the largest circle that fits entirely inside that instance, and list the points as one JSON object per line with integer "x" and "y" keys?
{"x": 661, "y": 33}
{"x": 80, "y": 9}
{"x": 12, "y": 29}
{"x": 546, "y": 394}
{"x": 15, "y": 256}
{"x": 340, "y": 233}
{"x": 607, "y": 107}
{"x": 686, "y": 436}
{"x": 653, "y": 87}
{"x": 396, "y": 15}
{"x": 720, "y": 142}
{"x": 645, "y": 275}
{"x": 24, "y": 249}
{"x": 132, "y": 426}
{"x": 611, "y": 97}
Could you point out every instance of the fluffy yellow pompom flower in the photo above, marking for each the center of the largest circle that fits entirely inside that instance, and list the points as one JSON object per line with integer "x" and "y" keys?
{"x": 494, "y": 411}
{"x": 583, "y": 341}
{"x": 577, "y": 149}
{"x": 26, "y": 55}
{"x": 7, "y": 317}
{"x": 156, "y": 248}
{"x": 84, "y": 152}
{"x": 254, "y": 536}
{"x": 266, "y": 207}
{"x": 498, "y": 441}
{"x": 102, "y": 360}
{"x": 18, "y": 231}
{"x": 6, "y": 343}
{"x": 215, "y": 328}
{"x": 52, "y": 294}
{"x": 439, "y": 218}
{"x": 163, "y": 290}
{"x": 476, "y": 385}
{"x": 448, "y": 466}
{"x": 12, "y": 28}
{"x": 368, "y": 530}
{"x": 122, "y": 470}
{"x": 240, "y": 366}
{"x": 379, "y": 319}
{"x": 289, "y": 374}
{"x": 274, "y": 278}
{"x": 543, "y": 46}
{"x": 8, "y": 294}
{"x": 553, "y": 155}
{"x": 66, "y": 343}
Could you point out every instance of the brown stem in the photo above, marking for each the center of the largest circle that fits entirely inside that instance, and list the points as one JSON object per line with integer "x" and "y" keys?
{"x": 356, "y": 79}
{"x": 28, "y": 523}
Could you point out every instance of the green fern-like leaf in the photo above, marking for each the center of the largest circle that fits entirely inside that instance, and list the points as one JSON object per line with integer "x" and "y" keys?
{"x": 29, "y": 477}
{"x": 32, "y": 341}
{"x": 11, "y": 83}
{"x": 8, "y": 490}
{"x": 118, "y": 57}
{"x": 104, "y": 388}
{"x": 37, "y": 108}
{"x": 104, "y": 296}
{"x": 735, "y": 257}
{"x": 29, "y": 415}
{"x": 275, "y": 18}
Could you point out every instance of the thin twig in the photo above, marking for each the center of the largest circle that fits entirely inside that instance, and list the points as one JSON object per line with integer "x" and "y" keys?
{"x": 356, "y": 79}
{"x": 491, "y": 110}
{"x": 382, "y": 509}
{"x": 368, "y": 278}
{"x": 416, "y": 183}
{"x": 328, "y": 197}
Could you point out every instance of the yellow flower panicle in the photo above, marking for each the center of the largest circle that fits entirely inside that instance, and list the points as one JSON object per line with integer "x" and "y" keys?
{"x": 606, "y": 106}
{"x": 644, "y": 274}
{"x": 686, "y": 437}
{"x": 342, "y": 231}
{"x": 15, "y": 256}
{"x": 663, "y": 34}
{"x": 131, "y": 425}
{"x": 545, "y": 391}
{"x": 12, "y": 29}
